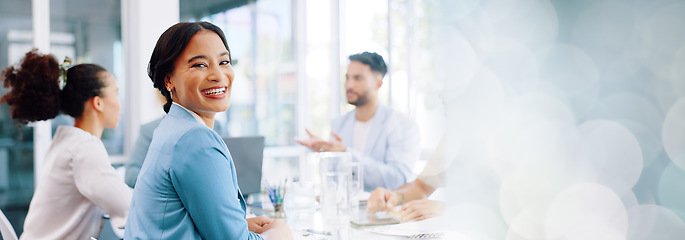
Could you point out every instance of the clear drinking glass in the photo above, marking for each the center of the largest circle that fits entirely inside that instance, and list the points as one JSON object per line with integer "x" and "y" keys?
{"x": 335, "y": 187}
{"x": 356, "y": 187}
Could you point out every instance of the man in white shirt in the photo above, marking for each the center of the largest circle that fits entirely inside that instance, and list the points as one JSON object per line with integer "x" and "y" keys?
{"x": 385, "y": 141}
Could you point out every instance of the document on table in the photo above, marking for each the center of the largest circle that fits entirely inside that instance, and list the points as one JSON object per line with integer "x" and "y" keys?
{"x": 426, "y": 229}
{"x": 370, "y": 219}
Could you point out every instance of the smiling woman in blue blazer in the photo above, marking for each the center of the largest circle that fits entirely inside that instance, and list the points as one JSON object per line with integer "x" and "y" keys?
{"x": 187, "y": 187}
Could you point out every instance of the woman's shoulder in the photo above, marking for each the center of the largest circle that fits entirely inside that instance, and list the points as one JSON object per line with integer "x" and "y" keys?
{"x": 177, "y": 126}
{"x": 76, "y": 138}
{"x": 182, "y": 127}
{"x": 78, "y": 145}
{"x": 201, "y": 144}
{"x": 185, "y": 134}
{"x": 199, "y": 135}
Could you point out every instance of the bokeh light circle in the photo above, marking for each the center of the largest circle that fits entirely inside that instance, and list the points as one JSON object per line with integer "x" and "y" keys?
{"x": 529, "y": 224}
{"x": 537, "y": 144}
{"x": 524, "y": 199}
{"x": 527, "y": 189}
{"x": 677, "y": 76}
{"x": 609, "y": 155}
{"x": 453, "y": 49}
{"x": 639, "y": 115}
{"x": 483, "y": 97}
{"x": 661, "y": 38}
{"x": 671, "y": 190}
{"x": 673, "y": 134}
{"x": 574, "y": 73}
{"x": 632, "y": 107}
{"x": 454, "y": 10}
{"x": 517, "y": 23}
{"x": 609, "y": 23}
{"x": 545, "y": 106}
{"x": 665, "y": 95}
{"x": 586, "y": 211}
{"x": 476, "y": 221}
{"x": 651, "y": 221}
{"x": 517, "y": 67}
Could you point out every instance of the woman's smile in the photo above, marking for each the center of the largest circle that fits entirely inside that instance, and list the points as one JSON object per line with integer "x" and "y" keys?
{"x": 215, "y": 92}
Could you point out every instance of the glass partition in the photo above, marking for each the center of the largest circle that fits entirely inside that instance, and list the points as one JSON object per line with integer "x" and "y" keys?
{"x": 16, "y": 145}
{"x": 264, "y": 96}
{"x": 86, "y": 31}
{"x": 90, "y": 32}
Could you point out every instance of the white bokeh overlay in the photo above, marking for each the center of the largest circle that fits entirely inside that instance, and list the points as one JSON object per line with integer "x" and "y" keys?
{"x": 569, "y": 117}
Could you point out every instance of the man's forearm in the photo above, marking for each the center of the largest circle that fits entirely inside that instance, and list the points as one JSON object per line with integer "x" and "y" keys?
{"x": 414, "y": 190}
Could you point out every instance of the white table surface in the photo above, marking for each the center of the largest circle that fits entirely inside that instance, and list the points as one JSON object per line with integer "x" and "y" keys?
{"x": 302, "y": 219}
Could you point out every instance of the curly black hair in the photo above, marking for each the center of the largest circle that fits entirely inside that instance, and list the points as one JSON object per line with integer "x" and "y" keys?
{"x": 35, "y": 94}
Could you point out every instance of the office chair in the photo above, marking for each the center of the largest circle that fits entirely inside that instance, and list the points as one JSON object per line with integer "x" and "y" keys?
{"x": 6, "y": 228}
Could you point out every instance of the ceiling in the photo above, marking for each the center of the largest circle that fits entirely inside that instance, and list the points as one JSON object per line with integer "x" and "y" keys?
{"x": 110, "y": 10}
{"x": 69, "y": 10}
{"x": 200, "y": 8}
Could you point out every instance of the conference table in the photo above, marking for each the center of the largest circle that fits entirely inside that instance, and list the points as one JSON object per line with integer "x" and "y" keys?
{"x": 309, "y": 223}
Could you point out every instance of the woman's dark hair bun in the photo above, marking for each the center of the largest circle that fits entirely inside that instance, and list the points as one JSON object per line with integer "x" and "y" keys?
{"x": 34, "y": 88}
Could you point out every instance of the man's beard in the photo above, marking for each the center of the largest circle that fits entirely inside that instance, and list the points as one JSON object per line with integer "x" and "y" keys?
{"x": 361, "y": 99}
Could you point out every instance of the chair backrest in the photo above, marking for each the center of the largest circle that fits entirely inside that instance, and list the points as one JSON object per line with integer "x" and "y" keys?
{"x": 6, "y": 228}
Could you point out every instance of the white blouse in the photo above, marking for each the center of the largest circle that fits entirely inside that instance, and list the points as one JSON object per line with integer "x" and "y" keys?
{"x": 76, "y": 186}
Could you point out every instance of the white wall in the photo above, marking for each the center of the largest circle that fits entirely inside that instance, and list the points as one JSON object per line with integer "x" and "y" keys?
{"x": 142, "y": 24}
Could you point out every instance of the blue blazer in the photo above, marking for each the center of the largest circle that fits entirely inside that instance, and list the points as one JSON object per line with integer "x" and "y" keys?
{"x": 187, "y": 187}
{"x": 392, "y": 147}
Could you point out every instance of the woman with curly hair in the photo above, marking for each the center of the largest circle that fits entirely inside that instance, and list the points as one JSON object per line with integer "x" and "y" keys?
{"x": 77, "y": 183}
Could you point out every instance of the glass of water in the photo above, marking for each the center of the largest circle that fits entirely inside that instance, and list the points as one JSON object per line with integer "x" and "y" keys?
{"x": 335, "y": 187}
{"x": 356, "y": 187}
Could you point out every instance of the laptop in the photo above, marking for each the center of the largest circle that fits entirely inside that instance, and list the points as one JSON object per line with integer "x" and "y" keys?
{"x": 247, "y": 154}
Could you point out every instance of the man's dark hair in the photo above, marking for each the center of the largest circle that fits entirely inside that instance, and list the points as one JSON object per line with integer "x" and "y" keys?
{"x": 372, "y": 59}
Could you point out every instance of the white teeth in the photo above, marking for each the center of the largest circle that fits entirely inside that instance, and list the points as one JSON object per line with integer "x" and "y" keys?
{"x": 215, "y": 91}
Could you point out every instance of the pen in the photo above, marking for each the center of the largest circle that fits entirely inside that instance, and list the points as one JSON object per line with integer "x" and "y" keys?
{"x": 319, "y": 232}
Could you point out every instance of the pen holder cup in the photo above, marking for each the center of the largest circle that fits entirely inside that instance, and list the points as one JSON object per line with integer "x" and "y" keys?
{"x": 276, "y": 197}
{"x": 278, "y": 211}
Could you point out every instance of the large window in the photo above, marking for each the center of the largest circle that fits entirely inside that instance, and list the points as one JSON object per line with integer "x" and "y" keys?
{"x": 261, "y": 37}
{"x": 290, "y": 63}
{"x": 398, "y": 30}
{"x": 90, "y": 32}
{"x": 16, "y": 146}
{"x": 87, "y": 32}
{"x": 264, "y": 96}
{"x": 394, "y": 29}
